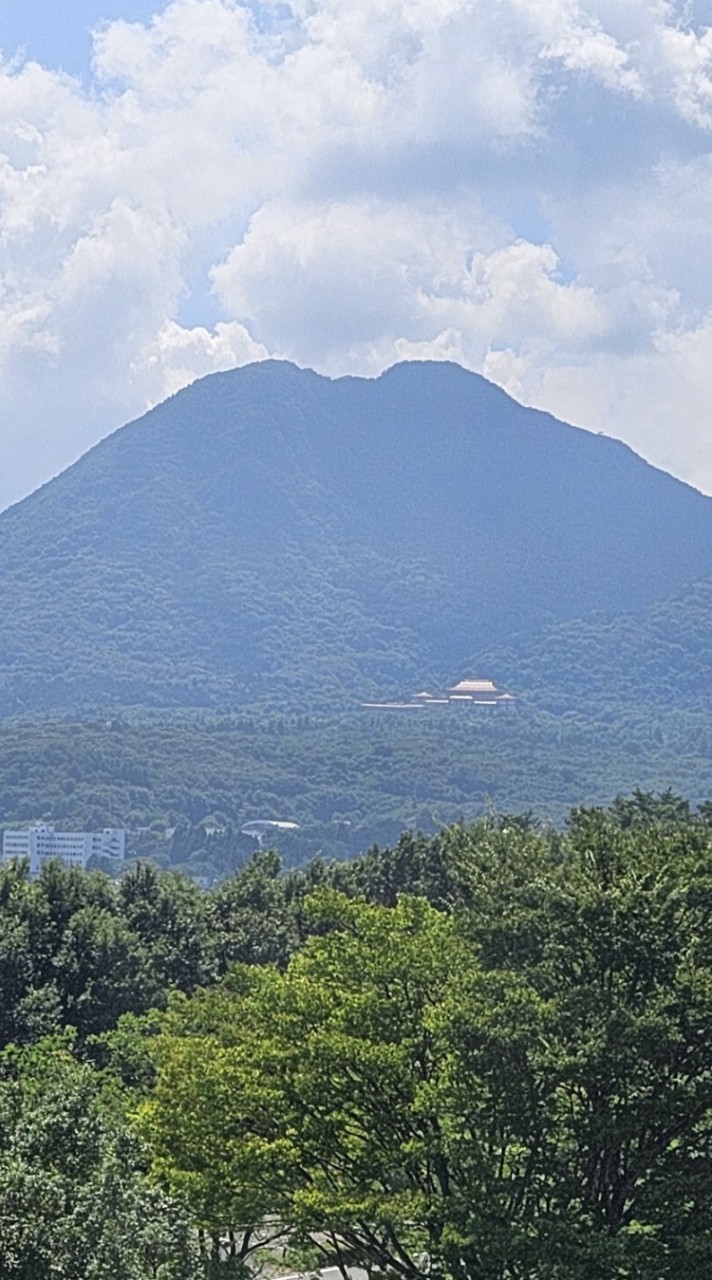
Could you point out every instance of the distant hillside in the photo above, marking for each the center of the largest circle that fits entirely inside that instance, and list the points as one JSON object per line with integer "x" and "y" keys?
{"x": 185, "y": 785}
{"x": 271, "y": 535}
{"x": 659, "y": 657}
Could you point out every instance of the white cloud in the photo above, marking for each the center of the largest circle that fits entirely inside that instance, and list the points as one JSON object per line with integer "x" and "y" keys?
{"x": 658, "y": 401}
{"x": 177, "y": 356}
{"x": 523, "y": 186}
{"x": 318, "y": 281}
{"x": 686, "y": 61}
{"x": 344, "y": 285}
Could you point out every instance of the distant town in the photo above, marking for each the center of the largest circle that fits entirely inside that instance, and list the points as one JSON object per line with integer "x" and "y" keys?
{"x": 466, "y": 693}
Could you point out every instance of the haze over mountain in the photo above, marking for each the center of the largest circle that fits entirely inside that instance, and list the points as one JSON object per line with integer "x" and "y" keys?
{"x": 660, "y": 657}
{"x": 272, "y": 535}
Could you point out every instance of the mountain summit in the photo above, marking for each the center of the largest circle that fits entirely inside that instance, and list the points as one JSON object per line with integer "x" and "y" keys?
{"x": 270, "y": 534}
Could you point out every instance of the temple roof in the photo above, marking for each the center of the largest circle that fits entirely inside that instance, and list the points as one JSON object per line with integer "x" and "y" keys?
{"x": 474, "y": 686}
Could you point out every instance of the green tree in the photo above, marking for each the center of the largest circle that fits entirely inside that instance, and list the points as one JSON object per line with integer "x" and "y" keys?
{"x": 250, "y": 919}
{"x": 73, "y": 1200}
{"x": 167, "y": 913}
{"x": 329, "y": 1100}
{"x": 611, "y": 927}
{"x": 520, "y": 1089}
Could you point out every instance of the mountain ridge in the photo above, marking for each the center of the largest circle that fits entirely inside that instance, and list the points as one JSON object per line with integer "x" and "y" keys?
{"x": 269, "y": 533}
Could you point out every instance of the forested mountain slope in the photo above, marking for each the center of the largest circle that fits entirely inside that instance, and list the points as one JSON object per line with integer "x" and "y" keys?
{"x": 272, "y": 535}
{"x": 660, "y": 657}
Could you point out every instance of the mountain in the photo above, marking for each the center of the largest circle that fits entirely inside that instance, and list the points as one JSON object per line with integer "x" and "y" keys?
{"x": 660, "y": 657}
{"x": 269, "y": 535}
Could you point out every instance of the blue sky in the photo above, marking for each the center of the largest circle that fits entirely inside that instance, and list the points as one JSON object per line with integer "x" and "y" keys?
{"x": 59, "y": 35}
{"x": 524, "y": 187}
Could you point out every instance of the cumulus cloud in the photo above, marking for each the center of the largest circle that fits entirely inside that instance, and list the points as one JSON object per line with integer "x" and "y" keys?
{"x": 658, "y": 400}
{"x": 522, "y": 186}
{"x": 177, "y": 356}
{"x": 338, "y": 285}
{"x": 320, "y": 281}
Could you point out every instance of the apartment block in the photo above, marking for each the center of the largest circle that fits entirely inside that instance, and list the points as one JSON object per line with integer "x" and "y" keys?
{"x": 41, "y": 843}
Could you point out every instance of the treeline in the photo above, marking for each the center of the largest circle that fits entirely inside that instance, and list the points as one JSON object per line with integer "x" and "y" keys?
{"x": 478, "y": 1056}
{"x": 79, "y": 949}
{"x": 183, "y": 790}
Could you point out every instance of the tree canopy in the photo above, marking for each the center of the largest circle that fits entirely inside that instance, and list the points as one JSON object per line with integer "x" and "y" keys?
{"x": 518, "y": 1088}
{"x": 74, "y": 1202}
{"x": 478, "y": 1056}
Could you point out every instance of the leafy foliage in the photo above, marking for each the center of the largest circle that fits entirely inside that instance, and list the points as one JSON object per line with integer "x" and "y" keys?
{"x": 73, "y": 1199}
{"x": 78, "y": 950}
{"x": 505, "y": 1077}
{"x": 519, "y": 1088}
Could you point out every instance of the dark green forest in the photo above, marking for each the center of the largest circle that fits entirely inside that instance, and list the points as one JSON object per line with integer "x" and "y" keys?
{"x": 481, "y": 1055}
{"x": 183, "y": 788}
{"x": 659, "y": 659}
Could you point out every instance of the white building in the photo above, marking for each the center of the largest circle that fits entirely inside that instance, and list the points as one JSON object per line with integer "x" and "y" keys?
{"x": 42, "y": 844}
